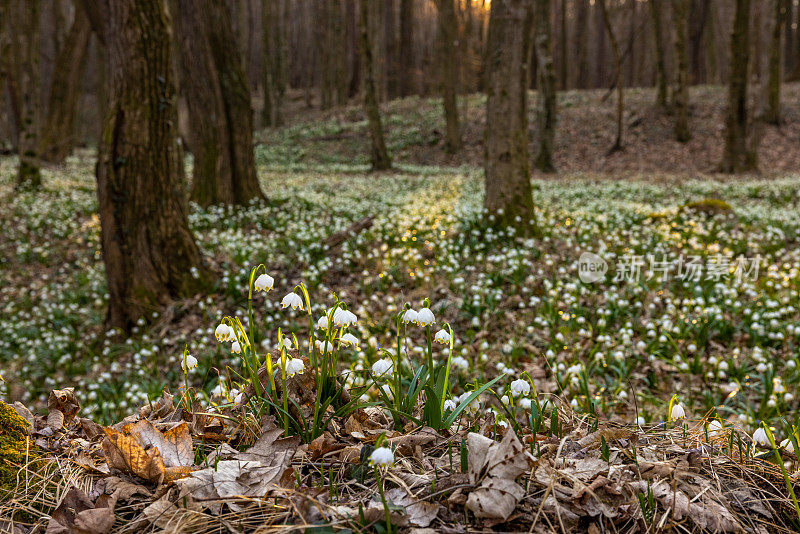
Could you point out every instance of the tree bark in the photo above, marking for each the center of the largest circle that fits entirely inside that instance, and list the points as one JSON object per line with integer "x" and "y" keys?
{"x": 546, "y": 108}
{"x": 617, "y": 74}
{"x": 148, "y": 249}
{"x": 773, "y": 110}
{"x": 736, "y": 157}
{"x": 661, "y": 65}
{"x": 680, "y": 21}
{"x": 564, "y": 63}
{"x": 218, "y": 97}
{"x": 508, "y": 188}
{"x": 379, "y": 156}
{"x": 26, "y": 89}
{"x": 581, "y": 44}
{"x": 57, "y": 135}
{"x": 271, "y": 62}
{"x": 448, "y": 67}
{"x": 406, "y": 47}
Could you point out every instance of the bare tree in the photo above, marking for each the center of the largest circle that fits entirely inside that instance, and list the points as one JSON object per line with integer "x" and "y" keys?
{"x": 546, "y": 108}
{"x": 379, "y": 156}
{"x": 25, "y": 88}
{"x": 272, "y": 62}
{"x": 57, "y": 137}
{"x": 680, "y": 93}
{"x": 218, "y": 97}
{"x": 736, "y": 156}
{"x": 148, "y": 249}
{"x": 617, "y": 74}
{"x": 508, "y": 187}
{"x": 772, "y": 113}
{"x": 406, "y": 47}
{"x": 661, "y": 64}
{"x": 448, "y": 68}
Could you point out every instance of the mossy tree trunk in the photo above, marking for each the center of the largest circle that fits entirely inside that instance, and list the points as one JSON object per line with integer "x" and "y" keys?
{"x": 546, "y": 108}
{"x": 736, "y": 157}
{"x": 57, "y": 134}
{"x": 218, "y": 98}
{"x": 26, "y": 87}
{"x": 508, "y": 49}
{"x": 379, "y": 156}
{"x": 448, "y": 68}
{"x": 680, "y": 93}
{"x": 148, "y": 249}
{"x": 661, "y": 64}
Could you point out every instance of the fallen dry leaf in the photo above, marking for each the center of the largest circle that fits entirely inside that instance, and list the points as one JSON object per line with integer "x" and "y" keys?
{"x": 62, "y": 406}
{"x": 494, "y": 467}
{"x": 705, "y": 512}
{"x": 77, "y": 514}
{"x": 125, "y": 453}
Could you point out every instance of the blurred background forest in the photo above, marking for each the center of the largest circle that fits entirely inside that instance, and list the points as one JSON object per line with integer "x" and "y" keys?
{"x": 303, "y": 61}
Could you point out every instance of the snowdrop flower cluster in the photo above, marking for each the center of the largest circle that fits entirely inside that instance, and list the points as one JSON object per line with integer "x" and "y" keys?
{"x": 382, "y": 366}
{"x": 294, "y": 366}
{"x": 520, "y": 388}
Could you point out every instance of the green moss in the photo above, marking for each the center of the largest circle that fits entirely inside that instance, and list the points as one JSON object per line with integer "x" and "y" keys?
{"x": 710, "y": 206}
{"x": 14, "y": 447}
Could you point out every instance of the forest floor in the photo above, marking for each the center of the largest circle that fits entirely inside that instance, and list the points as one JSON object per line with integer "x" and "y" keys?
{"x": 585, "y": 131}
{"x": 589, "y": 447}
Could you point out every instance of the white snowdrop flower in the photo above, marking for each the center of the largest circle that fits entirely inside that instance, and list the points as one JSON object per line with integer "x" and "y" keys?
{"x": 218, "y": 391}
{"x": 502, "y": 423}
{"x": 239, "y": 398}
{"x": 787, "y": 445}
{"x": 691, "y": 347}
{"x": 677, "y": 412}
{"x": 520, "y": 387}
{"x": 640, "y": 421}
{"x": 382, "y": 366}
{"x": 442, "y": 336}
{"x": 714, "y": 428}
{"x": 189, "y": 363}
{"x": 504, "y": 399}
{"x": 294, "y": 366}
{"x": 264, "y": 282}
{"x": 285, "y": 343}
{"x": 761, "y": 367}
{"x": 381, "y": 457}
{"x": 292, "y": 299}
{"x": 236, "y": 348}
{"x": 760, "y": 437}
{"x": 410, "y": 316}
{"x": 460, "y": 362}
{"x": 223, "y": 332}
{"x": 473, "y": 406}
{"x": 772, "y": 402}
{"x": 425, "y": 317}
{"x": 788, "y": 397}
{"x": 322, "y": 323}
{"x": 344, "y": 318}
{"x": 350, "y": 340}
{"x": 324, "y": 346}
{"x": 387, "y": 391}
{"x": 525, "y": 403}
{"x": 449, "y": 404}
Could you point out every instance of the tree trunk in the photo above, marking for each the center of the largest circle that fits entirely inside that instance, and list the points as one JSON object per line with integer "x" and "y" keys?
{"x": 735, "y": 156}
{"x": 564, "y": 63}
{"x": 271, "y": 62}
{"x": 617, "y": 74}
{"x": 57, "y": 135}
{"x": 25, "y": 78}
{"x": 680, "y": 21}
{"x": 218, "y": 98}
{"x": 581, "y": 44}
{"x": 773, "y": 110}
{"x": 379, "y": 156}
{"x": 406, "y": 47}
{"x": 546, "y": 108}
{"x": 661, "y": 65}
{"x": 508, "y": 187}
{"x": 448, "y": 66}
{"x": 148, "y": 249}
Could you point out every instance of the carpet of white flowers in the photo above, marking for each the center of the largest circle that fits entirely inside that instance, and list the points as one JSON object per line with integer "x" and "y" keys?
{"x": 620, "y": 348}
